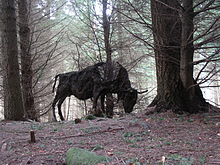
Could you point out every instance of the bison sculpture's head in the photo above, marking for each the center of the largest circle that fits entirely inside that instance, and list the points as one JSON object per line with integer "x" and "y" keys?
{"x": 129, "y": 100}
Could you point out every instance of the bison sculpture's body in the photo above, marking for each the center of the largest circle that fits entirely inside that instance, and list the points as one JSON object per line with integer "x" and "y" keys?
{"x": 91, "y": 82}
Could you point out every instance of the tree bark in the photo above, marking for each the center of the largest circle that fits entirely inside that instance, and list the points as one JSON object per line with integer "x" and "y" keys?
{"x": 109, "y": 71}
{"x": 167, "y": 30}
{"x": 12, "y": 88}
{"x": 187, "y": 48}
{"x": 26, "y": 64}
{"x": 194, "y": 95}
{"x": 119, "y": 32}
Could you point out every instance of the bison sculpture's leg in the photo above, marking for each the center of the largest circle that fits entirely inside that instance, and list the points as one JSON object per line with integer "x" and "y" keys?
{"x": 97, "y": 91}
{"x": 61, "y": 100}
{"x": 102, "y": 103}
{"x": 96, "y": 94}
{"x": 56, "y": 99}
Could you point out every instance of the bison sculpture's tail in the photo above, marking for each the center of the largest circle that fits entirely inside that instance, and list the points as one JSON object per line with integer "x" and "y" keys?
{"x": 55, "y": 82}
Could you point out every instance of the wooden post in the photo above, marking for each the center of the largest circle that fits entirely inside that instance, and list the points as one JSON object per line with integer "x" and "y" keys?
{"x": 32, "y": 135}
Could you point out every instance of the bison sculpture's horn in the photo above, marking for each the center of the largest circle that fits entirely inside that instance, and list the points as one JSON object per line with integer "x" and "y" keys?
{"x": 141, "y": 92}
{"x": 132, "y": 90}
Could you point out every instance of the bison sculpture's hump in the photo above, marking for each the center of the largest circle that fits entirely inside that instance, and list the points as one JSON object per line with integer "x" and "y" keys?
{"x": 114, "y": 67}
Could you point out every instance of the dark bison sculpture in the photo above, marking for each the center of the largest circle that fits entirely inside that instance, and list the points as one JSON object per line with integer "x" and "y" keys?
{"x": 91, "y": 82}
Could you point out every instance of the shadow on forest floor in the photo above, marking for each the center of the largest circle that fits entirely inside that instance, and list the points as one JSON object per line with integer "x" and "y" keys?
{"x": 132, "y": 139}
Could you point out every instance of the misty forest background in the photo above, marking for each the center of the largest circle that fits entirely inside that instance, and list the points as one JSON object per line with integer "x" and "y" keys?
{"x": 42, "y": 38}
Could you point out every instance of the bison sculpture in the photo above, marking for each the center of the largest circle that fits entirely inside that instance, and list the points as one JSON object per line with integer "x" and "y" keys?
{"x": 91, "y": 82}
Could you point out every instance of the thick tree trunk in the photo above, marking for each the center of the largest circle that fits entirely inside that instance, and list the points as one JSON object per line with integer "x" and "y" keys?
{"x": 3, "y": 64}
{"x": 12, "y": 88}
{"x": 167, "y": 34}
{"x": 194, "y": 95}
{"x": 187, "y": 48}
{"x": 3, "y": 60}
{"x": 26, "y": 64}
{"x": 167, "y": 29}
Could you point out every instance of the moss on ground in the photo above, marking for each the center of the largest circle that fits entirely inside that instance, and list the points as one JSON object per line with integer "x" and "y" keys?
{"x": 78, "y": 156}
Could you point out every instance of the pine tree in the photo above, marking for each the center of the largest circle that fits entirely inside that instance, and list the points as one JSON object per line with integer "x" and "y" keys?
{"x": 13, "y": 105}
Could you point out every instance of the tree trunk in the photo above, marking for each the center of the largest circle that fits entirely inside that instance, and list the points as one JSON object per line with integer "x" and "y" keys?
{"x": 166, "y": 26}
{"x": 109, "y": 72}
{"x": 119, "y": 33}
{"x": 26, "y": 64}
{"x": 194, "y": 95}
{"x": 3, "y": 64}
{"x": 167, "y": 29}
{"x": 3, "y": 59}
{"x": 12, "y": 88}
{"x": 187, "y": 49}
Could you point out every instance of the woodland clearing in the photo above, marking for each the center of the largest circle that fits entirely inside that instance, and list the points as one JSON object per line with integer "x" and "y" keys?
{"x": 131, "y": 139}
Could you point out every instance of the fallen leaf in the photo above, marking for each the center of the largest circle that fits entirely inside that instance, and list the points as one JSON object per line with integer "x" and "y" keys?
{"x": 4, "y": 147}
{"x": 163, "y": 159}
{"x": 147, "y": 119}
{"x": 131, "y": 163}
{"x": 110, "y": 153}
{"x": 41, "y": 151}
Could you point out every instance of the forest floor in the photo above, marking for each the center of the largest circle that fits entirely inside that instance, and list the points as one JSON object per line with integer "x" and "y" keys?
{"x": 133, "y": 139}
